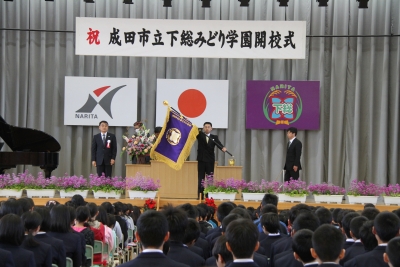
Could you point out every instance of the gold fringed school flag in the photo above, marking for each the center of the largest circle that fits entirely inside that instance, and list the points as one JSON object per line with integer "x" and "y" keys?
{"x": 175, "y": 140}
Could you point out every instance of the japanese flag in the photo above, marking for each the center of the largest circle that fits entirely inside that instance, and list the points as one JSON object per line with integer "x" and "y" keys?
{"x": 198, "y": 100}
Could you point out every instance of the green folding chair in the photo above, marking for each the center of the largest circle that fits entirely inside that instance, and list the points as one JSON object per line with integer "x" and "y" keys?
{"x": 89, "y": 254}
{"x": 69, "y": 262}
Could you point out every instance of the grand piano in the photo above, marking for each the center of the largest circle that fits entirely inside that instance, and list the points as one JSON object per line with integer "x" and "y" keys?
{"x": 29, "y": 146}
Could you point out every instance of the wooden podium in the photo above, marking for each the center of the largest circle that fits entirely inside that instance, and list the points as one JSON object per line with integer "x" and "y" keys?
{"x": 182, "y": 183}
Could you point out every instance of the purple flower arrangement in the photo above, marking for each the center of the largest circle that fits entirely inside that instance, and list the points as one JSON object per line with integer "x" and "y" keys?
{"x": 101, "y": 183}
{"x": 72, "y": 183}
{"x": 326, "y": 189}
{"x": 139, "y": 144}
{"x": 229, "y": 185}
{"x": 13, "y": 181}
{"x": 391, "y": 190}
{"x": 142, "y": 183}
{"x": 263, "y": 187}
{"x": 294, "y": 188}
{"x": 361, "y": 188}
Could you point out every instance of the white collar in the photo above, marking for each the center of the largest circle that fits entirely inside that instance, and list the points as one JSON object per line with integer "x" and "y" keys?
{"x": 243, "y": 260}
{"x": 311, "y": 263}
{"x": 148, "y": 250}
{"x": 274, "y": 234}
{"x": 103, "y": 134}
{"x": 291, "y": 140}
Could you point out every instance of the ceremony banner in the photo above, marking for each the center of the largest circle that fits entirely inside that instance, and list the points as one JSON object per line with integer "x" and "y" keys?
{"x": 89, "y": 100}
{"x": 175, "y": 140}
{"x": 190, "y": 38}
{"x": 282, "y": 104}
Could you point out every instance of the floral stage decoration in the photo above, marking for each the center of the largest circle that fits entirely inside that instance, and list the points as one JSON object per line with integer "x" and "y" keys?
{"x": 139, "y": 144}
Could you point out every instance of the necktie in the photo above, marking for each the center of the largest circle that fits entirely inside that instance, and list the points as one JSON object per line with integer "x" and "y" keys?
{"x": 104, "y": 139}
{"x": 207, "y": 139}
{"x": 288, "y": 144}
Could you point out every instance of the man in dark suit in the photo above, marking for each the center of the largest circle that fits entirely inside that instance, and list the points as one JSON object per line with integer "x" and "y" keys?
{"x": 152, "y": 232}
{"x": 104, "y": 150}
{"x": 205, "y": 153}
{"x": 293, "y": 154}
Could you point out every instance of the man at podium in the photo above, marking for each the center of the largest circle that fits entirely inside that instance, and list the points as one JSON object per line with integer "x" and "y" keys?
{"x": 205, "y": 152}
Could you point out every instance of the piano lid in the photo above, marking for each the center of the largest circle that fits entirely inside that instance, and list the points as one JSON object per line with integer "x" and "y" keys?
{"x": 25, "y": 139}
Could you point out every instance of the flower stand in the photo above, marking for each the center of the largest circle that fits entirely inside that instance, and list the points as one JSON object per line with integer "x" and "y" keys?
{"x": 222, "y": 196}
{"x": 142, "y": 194}
{"x": 253, "y": 196}
{"x": 106, "y": 195}
{"x": 391, "y": 200}
{"x": 40, "y": 193}
{"x": 65, "y": 194}
{"x": 11, "y": 193}
{"x": 328, "y": 198}
{"x": 288, "y": 198}
{"x": 362, "y": 199}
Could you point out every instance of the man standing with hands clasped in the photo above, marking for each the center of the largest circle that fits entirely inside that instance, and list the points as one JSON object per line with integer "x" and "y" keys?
{"x": 293, "y": 154}
{"x": 104, "y": 150}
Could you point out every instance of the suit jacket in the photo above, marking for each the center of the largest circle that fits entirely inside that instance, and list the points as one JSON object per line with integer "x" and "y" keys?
{"x": 373, "y": 258}
{"x": 293, "y": 155}
{"x": 42, "y": 254}
{"x": 352, "y": 252}
{"x": 197, "y": 250}
{"x": 203, "y": 244}
{"x": 21, "y": 257}
{"x": 6, "y": 259}
{"x": 260, "y": 259}
{"x": 267, "y": 242}
{"x": 100, "y": 151}
{"x": 286, "y": 259}
{"x": 280, "y": 246}
{"x": 152, "y": 259}
{"x": 182, "y": 254}
{"x": 348, "y": 244}
{"x": 57, "y": 245}
{"x": 205, "y": 151}
{"x": 329, "y": 265}
{"x": 243, "y": 264}
{"x": 211, "y": 262}
{"x": 72, "y": 244}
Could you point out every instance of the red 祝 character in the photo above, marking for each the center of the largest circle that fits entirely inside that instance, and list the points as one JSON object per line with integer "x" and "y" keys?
{"x": 93, "y": 36}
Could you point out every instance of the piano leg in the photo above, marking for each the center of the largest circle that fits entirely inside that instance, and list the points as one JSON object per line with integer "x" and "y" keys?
{"x": 47, "y": 169}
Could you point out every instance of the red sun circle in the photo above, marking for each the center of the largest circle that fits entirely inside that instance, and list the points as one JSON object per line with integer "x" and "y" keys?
{"x": 192, "y": 103}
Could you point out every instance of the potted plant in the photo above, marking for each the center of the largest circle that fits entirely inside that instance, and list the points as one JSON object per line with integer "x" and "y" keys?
{"x": 106, "y": 187}
{"x": 139, "y": 144}
{"x": 142, "y": 187}
{"x": 150, "y": 204}
{"x": 72, "y": 185}
{"x": 255, "y": 191}
{"x": 391, "y": 194}
{"x": 221, "y": 189}
{"x": 361, "y": 192}
{"x": 293, "y": 190}
{"x": 40, "y": 186}
{"x": 327, "y": 193}
{"x": 11, "y": 185}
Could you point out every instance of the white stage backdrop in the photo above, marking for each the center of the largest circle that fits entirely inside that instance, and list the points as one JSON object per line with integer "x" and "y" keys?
{"x": 198, "y": 100}
{"x": 89, "y": 100}
{"x": 191, "y": 38}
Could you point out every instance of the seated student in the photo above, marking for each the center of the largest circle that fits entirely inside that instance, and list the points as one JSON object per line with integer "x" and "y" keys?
{"x": 346, "y": 228}
{"x": 117, "y": 228}
{"x": 324, "y": 215}
{"x": 97, "y": 229}
{"x": 61, "y": 229}
{"x": 357, "y": 248}
{"x": 6, "y": 259}
{"x": 391, "y": 255}
{"x": 103, "y": 218}
{"x": 270, "y": 225}
{"x": 41, "y": 251}
{"x": 242, "y": 240}
{"x": 82, "y": 226}
{"x": 11, "y": 237}
{"x": 386, "y": 227}
{"x": 12, "y": 206}
{"x": 367, "y": 237}
{"x": 221, "y": 255}
{"x": 177, "y": 224}
{"x": 192, "y": 233}
{"x": 205, "y": 226}
{"x": 152, "y": 232}
{"x": 370, "y": 213}
{"x": 223, "y": 210}
{"x": 269, "y": 199}
{"x": 327, "y": 245}
{"x": 72, "y": 214}
{"x": 57, "y": 245}
{"x": 302, "y": 244}
{"x": 335, "y": 214}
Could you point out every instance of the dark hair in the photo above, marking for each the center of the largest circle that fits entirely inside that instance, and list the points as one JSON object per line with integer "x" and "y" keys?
{"x": 292, "y": 130}
{"x": 386, "y": 225}
{"x": 206, "y": 208}
{"x": 392, "y": 251}
{"x": 108, "y": 207}
{"x": 31, "y": 220}
{"x": 11, "y": 206}
{"x": 268, "y": 208}
{"x": 202, "y": 213}
{"x": 346, "y": 222}
{"x": 77, "y": 200}
{"x": 152, "y": 227}
{"x": 220, "y": 248}
{"x": 102, "y": 216}
{"x": 111, "y": 220}
{"x": 192, "y": 231}
{"x": 324, "y": 215}
{"x": 11, "y": 230}
{"x": 369, "y": 205}
{"x": 269, "y": 199}
{"x": 242, "y": 237}
{"x": 328, "y": 242}
{"x": 297, "y": 210}
{"x": 270, "y": 221}
{"x": 118, "y": 207}
{"x": 341, "y": 214}
{"x": 367, "y": 237}
{"x": 370, "y": 213}
{"x": 252, "y": 213}
{"x": 190, "y": 210}
{"x": 302, "y": 243}
{"x": 307, "y": 220}
{"x": 177, "y": 222}
{"x": 82, "y": 214}
{"x": 138, "y": 123}
{"x": 93, "y": 209}
{"x": 60, "y": 219}
{"x": 228, "y": 219}
{"x": 356, "y": 224}
{"x": 51, "y": 203}
{"x": 102, "y": 122}
{"x": 207, "y": 122}
{"x": 223, "y": 210}
{"x": 25, "y": 203}
{"x": 284, "y": 216}
{"x": 242, "y": 212}
{"x": 135, "y": 214}
{"x": 72, "y": 214}
{"x": 157, "y": 129}
{"x": 46, "y": 220}
{"x": 335, "y": 214}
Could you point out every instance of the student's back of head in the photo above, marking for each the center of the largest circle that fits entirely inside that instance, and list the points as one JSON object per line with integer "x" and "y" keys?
{"x": 82, "y": 214}
{"x": 220, "y": 252}
{"x": 302, "y": 243}
{"x": 268, "y": 208}
{"x": 228, "y": 219}
{"x": 32, "y": 221}
{"x": 392, "y": 256}
{"x": 346, "y": 222}
{"x": 355, "y": 226}
{"x": 46, "y": 219}
{"x": 26, "y": 204}
{"x": 11, "y": 230}
{"x": 269, "y": 199}
{"x": 324, "y": 215}
{"x": 223, "y": 210}
{"x": 11, "y": 206}
{"x": 242, "y": 212}
{"x": 270, "y": 222}
{"x": 177, "y": 222}
{"x": 328, "y": 242}
{"x": 152, "y": 229}
{"x": 306, "y": 220}
{"x": 191, "y": 211}
{"x": 367, "y": 237}
{"x": 60, "y": 219}
{"x": 341, "y": 214}
{"x": 242, "y": 238}
{"x": 192, "y": 232}
{"x": 370, "y": 213}
{"x": 297, "y": 210}
{"x": 335, "y": 214}
{"x": 386, "y": 225}
{"x": 108, "y": 207}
